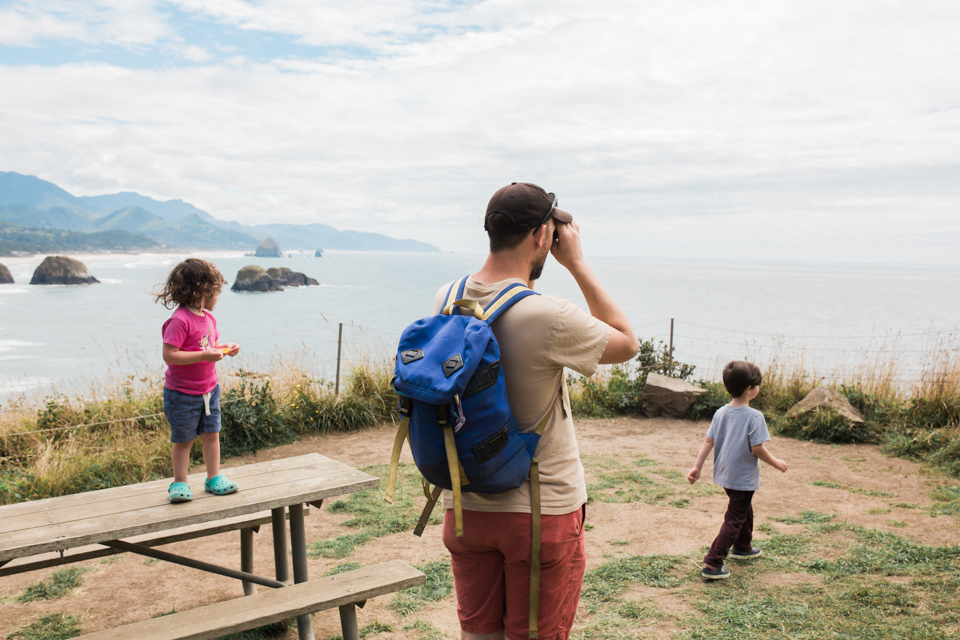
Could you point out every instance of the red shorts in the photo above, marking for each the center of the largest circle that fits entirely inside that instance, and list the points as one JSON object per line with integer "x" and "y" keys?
{"x": 491, "y": 571}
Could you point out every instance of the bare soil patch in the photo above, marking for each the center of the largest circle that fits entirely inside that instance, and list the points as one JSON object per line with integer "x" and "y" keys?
{"x": 130, "y": 589}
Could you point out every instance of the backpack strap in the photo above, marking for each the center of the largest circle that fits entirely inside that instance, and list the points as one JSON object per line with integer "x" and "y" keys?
{"x": 454, "y": 293}
{"x": 506, "y": 299}
{"x": 535, "y": 533}
{"x": 402, "y": 434}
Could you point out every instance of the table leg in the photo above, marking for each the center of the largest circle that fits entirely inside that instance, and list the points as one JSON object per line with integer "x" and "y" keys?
{"x": 348, "y": 622}
{"x": 298, "y": 544}
{"x": 280, "y": 544}
{"x": 246, "y": 559}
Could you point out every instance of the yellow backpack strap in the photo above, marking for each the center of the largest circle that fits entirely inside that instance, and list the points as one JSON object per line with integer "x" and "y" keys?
{"x": 452, "y": 295}
{"x": 453, "y": 461}
{"x": 504, "y": 299}
{"x": 534, "y": 547}
{"x": 402, "y": 434}
{"x": 432, "y": 496}
{"x": 473, "y": 305}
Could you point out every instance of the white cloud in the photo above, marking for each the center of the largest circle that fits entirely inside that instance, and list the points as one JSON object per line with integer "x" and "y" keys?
{"x": 810, "y": 129}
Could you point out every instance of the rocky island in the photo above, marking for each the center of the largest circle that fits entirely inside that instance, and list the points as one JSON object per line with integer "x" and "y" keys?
{"x": 255, "y": 278}
{"x": 268, "y": 249}
{"x": 5, "y": 276}
{"x": 62, "y": 270}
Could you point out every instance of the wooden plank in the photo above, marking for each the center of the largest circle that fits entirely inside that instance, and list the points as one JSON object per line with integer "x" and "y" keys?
{"x": 267, "y": 607}
{"x": 160, "y": 498}
{"x": 91, "y": 552}
{"x": 168, "y": 516}
{"x": 114, "y": 493}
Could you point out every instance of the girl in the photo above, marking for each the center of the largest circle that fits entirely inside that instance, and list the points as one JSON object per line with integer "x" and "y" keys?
{"x": 191, "y": 395}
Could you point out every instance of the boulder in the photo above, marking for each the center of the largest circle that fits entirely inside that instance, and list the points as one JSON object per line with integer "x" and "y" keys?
{"x": 268, "y": 249}
{"x": 826, "y": 398}
{"x": 668, "y": 396}
{"x": 62, "y": 270}
{"x": 5, "y": 276}
{"x": 255, "y": 278}
{"x": 318, "y": 253}
{"x": 289, "y": 278}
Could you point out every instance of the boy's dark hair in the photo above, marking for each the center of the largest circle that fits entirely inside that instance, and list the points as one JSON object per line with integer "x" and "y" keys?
{"x": 738, "y": 375}
{"x": 192, "y": 281}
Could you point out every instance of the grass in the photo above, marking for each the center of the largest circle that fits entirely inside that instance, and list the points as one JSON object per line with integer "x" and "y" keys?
{"x": 59, "y": 584}
{"x": 875, "y": 584}
{"x": 622, "y": 479}
{"x": 52, "y": 626}
{"x": 438, "y": 586}
{"x": 129, "y": 440}
{"x": 426, "y": 631}
{"x": 875, "y": 493}
{"x": 372, "y": 517}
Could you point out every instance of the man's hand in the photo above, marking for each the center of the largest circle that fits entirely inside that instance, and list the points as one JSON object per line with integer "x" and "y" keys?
{"x": 566, "y": 244}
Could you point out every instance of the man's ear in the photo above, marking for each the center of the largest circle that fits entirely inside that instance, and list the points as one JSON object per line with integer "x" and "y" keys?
{"x": 540, "y": 235}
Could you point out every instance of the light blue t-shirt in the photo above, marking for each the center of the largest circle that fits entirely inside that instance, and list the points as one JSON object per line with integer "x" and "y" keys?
{"x": 734, "y": 430}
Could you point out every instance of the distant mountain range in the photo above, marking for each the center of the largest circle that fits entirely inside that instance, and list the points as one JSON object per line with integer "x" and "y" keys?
{"x": 34, "y": 203}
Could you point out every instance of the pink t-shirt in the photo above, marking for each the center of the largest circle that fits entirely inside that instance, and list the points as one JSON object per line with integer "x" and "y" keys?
{"x": 187, "y": 331}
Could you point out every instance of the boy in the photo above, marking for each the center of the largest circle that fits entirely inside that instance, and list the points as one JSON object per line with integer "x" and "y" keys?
{"x": 737, "y": 434}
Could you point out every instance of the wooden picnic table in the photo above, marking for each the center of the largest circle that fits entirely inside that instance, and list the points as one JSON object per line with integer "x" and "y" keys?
{"x": 116, "y": 518}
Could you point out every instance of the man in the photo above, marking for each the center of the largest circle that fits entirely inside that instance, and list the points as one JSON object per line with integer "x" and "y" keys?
{"x": 539, "y": 336}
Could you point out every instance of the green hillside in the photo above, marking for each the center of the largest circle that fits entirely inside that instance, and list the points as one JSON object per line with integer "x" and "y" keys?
{"x": 18, "y": 238}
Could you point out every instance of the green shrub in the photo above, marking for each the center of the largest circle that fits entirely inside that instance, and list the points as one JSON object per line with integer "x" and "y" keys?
{"x": 824, "y": 425}
{"x": 706, "y": 405}
{"x": 251, "y": 419}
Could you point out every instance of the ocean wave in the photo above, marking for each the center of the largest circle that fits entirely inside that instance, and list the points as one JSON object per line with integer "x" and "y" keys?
{"x": 23, "y": 384}
{"x": 13, "y": 289}
{"x": 10, "y": 345}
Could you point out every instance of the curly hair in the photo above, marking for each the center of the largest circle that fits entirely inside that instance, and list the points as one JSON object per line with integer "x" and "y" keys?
{"x": 191, "y": 282}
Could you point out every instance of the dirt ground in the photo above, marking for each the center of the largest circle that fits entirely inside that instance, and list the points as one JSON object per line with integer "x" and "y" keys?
{"x": 128, "y": 590}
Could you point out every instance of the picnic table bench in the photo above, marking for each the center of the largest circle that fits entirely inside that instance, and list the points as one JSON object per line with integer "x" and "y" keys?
{"x": 137, "y": 518}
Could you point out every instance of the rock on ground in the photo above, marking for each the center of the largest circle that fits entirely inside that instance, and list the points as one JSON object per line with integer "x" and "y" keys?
{"x": 826, "y": 398}
{"x": 668, "y": 396}
{"x": 62, "y": 270}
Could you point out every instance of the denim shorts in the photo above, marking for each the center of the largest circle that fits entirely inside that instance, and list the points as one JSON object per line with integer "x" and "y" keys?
{"x": 187, "y": 414}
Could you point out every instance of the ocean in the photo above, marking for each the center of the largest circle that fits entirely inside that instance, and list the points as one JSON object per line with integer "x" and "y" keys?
{"x": 830, "y": 318}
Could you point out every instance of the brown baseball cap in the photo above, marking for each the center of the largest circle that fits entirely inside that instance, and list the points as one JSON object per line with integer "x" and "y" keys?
{"x": 520, "y": 207}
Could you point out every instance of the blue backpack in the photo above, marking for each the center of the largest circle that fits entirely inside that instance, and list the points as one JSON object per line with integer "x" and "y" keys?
{"x": 455, "y": 413}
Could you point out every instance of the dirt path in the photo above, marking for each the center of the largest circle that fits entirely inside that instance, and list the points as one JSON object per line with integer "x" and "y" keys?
{"x": 128, "y": 589}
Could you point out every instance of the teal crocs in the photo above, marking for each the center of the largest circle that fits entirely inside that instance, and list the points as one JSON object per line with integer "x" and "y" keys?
{"x": 220, "y": 486}
{"x": 180, "y": 492}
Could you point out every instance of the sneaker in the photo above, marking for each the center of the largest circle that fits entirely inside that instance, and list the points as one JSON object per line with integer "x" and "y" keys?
{"x": 746, "y": 555}
{"x": 715, "y": 574}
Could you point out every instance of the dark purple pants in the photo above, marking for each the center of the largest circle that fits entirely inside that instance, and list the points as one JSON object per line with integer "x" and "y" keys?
{"x": 737, "y": 529}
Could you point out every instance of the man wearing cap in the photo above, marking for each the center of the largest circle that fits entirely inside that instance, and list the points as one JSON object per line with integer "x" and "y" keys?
{"x": 539, "y": 337}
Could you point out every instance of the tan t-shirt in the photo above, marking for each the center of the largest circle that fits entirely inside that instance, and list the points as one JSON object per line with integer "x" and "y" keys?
{"x": 538, "y": 337}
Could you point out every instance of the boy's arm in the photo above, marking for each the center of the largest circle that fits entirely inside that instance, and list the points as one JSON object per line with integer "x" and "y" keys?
{"x": 174, "y": 355}
{"x": 694, "y": 473}
{"x": 761, "y": 452}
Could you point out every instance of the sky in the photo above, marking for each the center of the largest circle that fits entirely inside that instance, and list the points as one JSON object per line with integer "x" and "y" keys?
{"x": 761, "y": 130}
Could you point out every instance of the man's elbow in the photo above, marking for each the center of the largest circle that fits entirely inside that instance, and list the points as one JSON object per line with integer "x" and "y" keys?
{"x": 620, "y": 348}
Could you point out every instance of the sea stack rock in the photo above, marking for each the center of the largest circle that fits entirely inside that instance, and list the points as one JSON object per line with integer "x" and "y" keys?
{"x": 288, "y": 278}
{"x": 268, "y": 249}
{"x": 62, "y": 270}
{"x": 318, "y": 253}
{"x": 254, "y": 278}
{"x": 5, "y": 276}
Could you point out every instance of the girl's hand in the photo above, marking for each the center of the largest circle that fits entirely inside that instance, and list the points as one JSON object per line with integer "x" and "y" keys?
{"x": 211, "y": 355}
{"x": 231, "y": 349}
